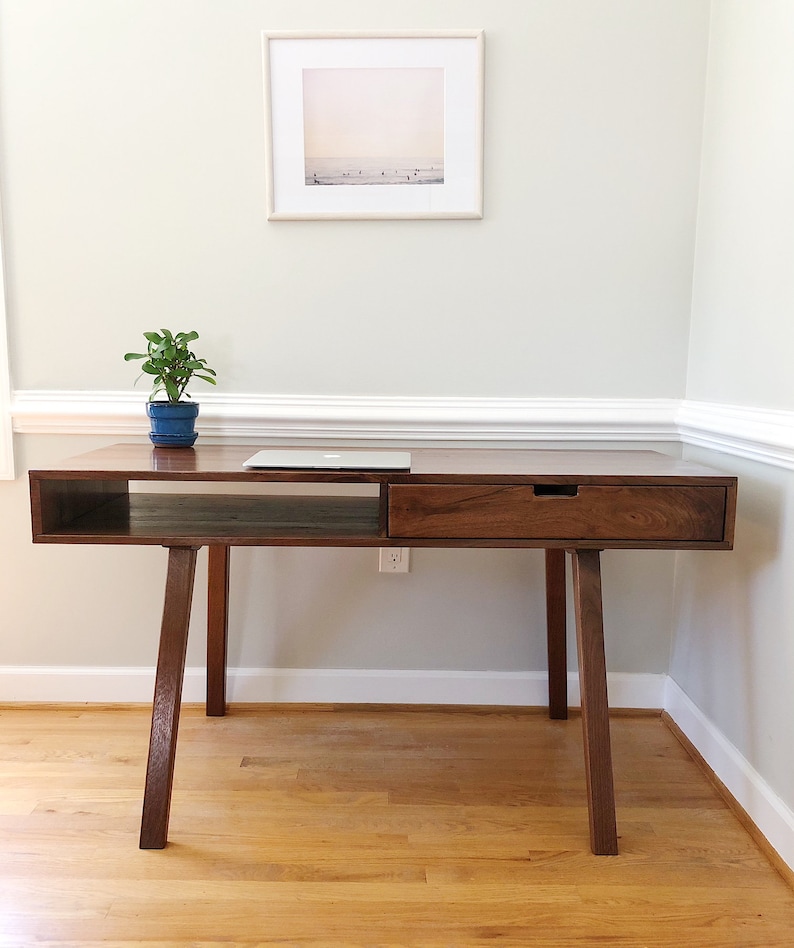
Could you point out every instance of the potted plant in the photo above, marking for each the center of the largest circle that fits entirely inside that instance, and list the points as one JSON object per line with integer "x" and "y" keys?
{"x": 171, "y": 363}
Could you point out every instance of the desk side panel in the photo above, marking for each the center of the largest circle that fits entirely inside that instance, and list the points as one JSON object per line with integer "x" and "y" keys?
{"x": 730, "y": 513}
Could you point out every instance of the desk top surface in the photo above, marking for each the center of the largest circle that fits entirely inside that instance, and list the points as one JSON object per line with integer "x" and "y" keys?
{"x": 225, "y": 462}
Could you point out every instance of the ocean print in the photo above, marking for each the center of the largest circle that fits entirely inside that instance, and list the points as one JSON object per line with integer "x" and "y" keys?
{"x": 374, "y": 171}
{"x": 373, "y": 126}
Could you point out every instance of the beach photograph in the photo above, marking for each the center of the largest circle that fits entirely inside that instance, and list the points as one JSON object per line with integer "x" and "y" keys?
{"x": 372, "y": 126}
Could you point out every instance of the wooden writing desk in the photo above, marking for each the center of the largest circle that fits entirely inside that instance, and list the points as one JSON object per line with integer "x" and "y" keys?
{"x": 579, "y": 501}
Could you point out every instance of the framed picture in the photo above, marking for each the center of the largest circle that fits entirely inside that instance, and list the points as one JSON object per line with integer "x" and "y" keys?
{"x": 374, "y": 125}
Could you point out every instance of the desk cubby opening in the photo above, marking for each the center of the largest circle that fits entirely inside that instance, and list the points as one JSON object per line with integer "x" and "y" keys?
{"x": 204, "y": 518}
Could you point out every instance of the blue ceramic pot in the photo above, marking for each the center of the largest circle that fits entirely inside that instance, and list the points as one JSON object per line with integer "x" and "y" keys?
{"x": 173, "y": 424}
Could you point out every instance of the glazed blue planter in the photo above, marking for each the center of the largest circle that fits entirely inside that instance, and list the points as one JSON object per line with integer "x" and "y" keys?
{"x": 173, "y": 424}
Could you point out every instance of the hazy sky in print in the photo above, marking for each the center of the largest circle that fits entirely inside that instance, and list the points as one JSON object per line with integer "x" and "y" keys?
{"x": 371, "y": 113}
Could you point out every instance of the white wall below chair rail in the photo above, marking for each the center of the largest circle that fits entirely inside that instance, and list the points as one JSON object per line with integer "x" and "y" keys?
{"x": 765, "y": 435}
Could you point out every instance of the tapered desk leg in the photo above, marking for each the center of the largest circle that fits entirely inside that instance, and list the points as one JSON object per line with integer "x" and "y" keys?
{"x": 595, "y": 708}
{"x": 555, "y": 633}
{"x": 167, "y": 696}
{"x": 217, "y": 628}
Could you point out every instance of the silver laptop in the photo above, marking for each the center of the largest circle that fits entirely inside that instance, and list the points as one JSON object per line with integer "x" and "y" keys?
{"x": 341, "y": 460}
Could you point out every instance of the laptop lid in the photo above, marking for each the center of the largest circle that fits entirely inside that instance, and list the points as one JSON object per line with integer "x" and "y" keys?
{"x": 341, "y": 460}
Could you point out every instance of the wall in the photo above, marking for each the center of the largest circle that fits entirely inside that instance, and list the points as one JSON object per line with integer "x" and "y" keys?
{"x": 733, "y": 655}
{"x": 132, "y": 150}
{"x": 742, "y": 334}
{"x": 132, "y": 156}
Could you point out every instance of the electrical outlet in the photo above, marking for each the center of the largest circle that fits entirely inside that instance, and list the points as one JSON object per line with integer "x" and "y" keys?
{"x": 394, "y": 559}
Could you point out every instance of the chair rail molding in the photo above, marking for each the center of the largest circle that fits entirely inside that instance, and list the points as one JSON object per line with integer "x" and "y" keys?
{"x": 412, "y": 418}
{"x": 760, "y": 434}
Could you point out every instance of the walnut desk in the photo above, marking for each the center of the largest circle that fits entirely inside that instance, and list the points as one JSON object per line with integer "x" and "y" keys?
{"x": 581, "y": 502}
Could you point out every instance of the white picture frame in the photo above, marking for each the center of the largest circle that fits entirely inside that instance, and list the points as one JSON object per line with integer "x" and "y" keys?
{"x": 373, "y": 94}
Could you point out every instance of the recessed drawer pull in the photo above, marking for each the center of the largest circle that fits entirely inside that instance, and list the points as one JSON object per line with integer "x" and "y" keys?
{"x": 556, "y": 490}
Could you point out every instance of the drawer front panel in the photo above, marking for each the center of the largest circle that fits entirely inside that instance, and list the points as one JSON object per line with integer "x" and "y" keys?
{"x": 477, "y": 511}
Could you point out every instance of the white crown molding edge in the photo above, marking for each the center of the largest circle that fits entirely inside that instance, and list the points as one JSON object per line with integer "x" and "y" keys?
{"x": 359, "y": 417}
{"x": 765, "y": 435}
{"x": 411, "y": 418}
{"x": 319, "y": 685}
{"x": 759, "y": 434}
{"x": 766, "y": 809}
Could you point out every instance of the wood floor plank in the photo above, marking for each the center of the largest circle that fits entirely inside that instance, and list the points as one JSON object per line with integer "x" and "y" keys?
{"x": 353, "y": 827}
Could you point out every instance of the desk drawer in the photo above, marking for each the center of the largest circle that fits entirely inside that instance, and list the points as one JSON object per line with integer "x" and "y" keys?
{"x": 686, "y": 513}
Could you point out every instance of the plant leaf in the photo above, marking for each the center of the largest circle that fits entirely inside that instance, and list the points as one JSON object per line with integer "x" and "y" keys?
{"x": 170, "y": 364}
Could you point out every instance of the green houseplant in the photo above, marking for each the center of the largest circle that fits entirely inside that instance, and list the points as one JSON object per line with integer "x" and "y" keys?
{"x": 171, "y": 364}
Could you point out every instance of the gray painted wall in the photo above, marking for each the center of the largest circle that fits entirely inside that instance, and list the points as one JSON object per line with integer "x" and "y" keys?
{"x": 134, "y": 192}
{"x": 733, "y": 650}
{"x": 132, "y": 155}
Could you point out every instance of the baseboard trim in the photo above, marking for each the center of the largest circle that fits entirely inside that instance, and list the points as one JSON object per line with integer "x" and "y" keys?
{"x": 741, "y": 814}
{"x": 32, "y": 684}
{"x": 753, "y": 796}
{"x": 764, "y": 810}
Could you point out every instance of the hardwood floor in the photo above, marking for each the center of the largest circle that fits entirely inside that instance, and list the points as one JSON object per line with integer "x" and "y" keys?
{"x": 358, "y": 827}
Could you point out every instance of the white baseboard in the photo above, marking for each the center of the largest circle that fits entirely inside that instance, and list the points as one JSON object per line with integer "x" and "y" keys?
{"x": 324, "y": 685}
{"x": 40, "y": 684}
{"x": 430, "y": 687}
{"x": 764, "y": 807}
